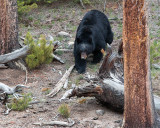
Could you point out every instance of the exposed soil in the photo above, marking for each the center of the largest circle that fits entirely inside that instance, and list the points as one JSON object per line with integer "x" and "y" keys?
{"x": 65, "y": 16}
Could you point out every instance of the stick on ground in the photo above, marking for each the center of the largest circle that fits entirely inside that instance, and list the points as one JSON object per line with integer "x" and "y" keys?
{"x": 62, "y": 81}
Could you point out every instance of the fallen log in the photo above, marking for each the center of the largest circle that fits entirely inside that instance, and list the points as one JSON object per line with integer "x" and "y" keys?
{"x": 109, "y": 88}
{"x": 109, "y": 94}
{"x": 22, "y": 52}
{"x": 14, "y": 55}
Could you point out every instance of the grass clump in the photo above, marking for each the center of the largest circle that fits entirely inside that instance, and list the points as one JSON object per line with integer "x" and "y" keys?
{"x": 154, "y": 52}
{"x": 84, "y": 1}
{"x": 39, "y": 53}
{"x": 64, "y": 110}
{"x": 20, "y": 104}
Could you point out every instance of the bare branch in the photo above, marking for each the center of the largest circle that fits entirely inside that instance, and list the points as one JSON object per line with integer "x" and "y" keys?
{"x": 62, "y": 81}
{"x": 59, "y": 123}
{"x": 14, "y": 55}
{"x": 81, "y": 1}
{"x": 58, "y": 58}
{"x": 8, "y": 90}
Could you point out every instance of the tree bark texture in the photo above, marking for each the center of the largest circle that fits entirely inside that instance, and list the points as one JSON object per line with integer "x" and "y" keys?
{"x": 139, "y": 109}
{"x": 8, "y": 26}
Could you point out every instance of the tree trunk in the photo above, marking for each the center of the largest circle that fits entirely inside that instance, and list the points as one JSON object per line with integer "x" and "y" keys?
{"x": 139, "y": 108}
{"x": 8, "y": 26}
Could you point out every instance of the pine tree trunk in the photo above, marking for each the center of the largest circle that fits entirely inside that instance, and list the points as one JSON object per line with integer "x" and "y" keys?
{"x": 8, "y": 26}
{"x": 139, "y": 108}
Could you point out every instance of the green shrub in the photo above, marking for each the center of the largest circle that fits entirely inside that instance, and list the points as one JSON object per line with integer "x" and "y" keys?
{"x": 39, "y": 53}
{"x": 64, "y": 110}
{"x": 154, "y": 52}
{"x": 23, "y": 8}
{"x": 20, "y": 104}
{"x": 84, "y": 1}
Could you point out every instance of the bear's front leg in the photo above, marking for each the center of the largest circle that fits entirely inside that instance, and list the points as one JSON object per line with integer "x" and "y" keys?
{"x": 97, "y": 57}
{"x": 80, "y": 64}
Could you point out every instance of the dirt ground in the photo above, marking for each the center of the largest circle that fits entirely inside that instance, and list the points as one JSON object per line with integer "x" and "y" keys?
{"x": 49, "y": 20}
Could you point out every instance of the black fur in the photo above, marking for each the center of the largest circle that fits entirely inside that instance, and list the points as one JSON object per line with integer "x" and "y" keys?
{"x": 92, "y": 35}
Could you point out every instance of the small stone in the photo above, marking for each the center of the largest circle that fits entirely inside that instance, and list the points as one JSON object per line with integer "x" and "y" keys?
{"x": 73, "y": 85}
{"x": 25, "y": 116}
{"x": 27, "y": 111}
{"x": 70, "y": 43}
{"x": 64, "y": 34}
{"x": 54, "y": 69}
{"x": 95, "y": 118}
{"x": 40, "y": 118}
{"x": 118, "y": 121}
{"x": 100, "y": 112}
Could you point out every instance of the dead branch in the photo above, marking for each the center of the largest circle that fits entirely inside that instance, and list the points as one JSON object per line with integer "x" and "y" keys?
{"x": 58, "y": 58}
{"x": 5, "y": 90}
{"x": 2, "y": 66}
{"x": 20, "y": 53}
{"x": 65, "y": 84}
{"x": 8, "y": 90}
{"x": 64, "y": 50}
{"x": 81, "y": 1}
{"x": 23, "y": 67}
{"x": 14, "y": 55}
{"x": 59, "y": 123}
{"x": 104, "y": 8}
{"x": 7, "y": 110}
{"x": 62, "y": 81}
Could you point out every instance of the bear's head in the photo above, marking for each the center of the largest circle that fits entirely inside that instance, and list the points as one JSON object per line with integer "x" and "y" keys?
{"x": 84, "y": 42}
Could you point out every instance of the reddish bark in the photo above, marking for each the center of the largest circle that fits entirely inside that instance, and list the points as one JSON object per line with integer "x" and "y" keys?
{"x": 139, "y": 109}
{"x": 8, "y": 26}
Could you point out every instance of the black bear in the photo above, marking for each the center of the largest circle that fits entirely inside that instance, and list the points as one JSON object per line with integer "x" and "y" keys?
{"x": 93, "y": 32}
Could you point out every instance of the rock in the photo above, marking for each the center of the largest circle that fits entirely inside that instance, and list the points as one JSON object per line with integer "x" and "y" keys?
{"x": 70, "y": 44}
{"x": 156, "y": 66}
{"x": 64, "y": 34}
{"x": 49, "y": 21}
{"x": 73, "y": 85}
{"x": 100, "y": 112}
{"x": 95, "y": 118}
{"x": 50, "y": 38}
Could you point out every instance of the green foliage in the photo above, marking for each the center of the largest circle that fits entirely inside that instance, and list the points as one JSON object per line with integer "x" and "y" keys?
{"x": 60, "y": 53}
{"x": 20, "y": 104}
{"x": 64, "y": 110}
{"x": 40, "y": 52}
{"x": 23, "y": 8}
{"x": 84, "y": 1}
{"x": 154, "y": 52}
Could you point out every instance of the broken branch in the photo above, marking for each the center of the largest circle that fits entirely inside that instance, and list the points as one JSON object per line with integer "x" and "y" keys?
{"x": 59, "y": 123}
{"x": 58, "y": 58}
{"x": 14, "y": 55}
{"x": 62, "y": 81}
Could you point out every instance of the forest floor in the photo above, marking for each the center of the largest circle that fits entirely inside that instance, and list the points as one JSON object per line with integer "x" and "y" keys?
{"x": 49, "y": 20}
